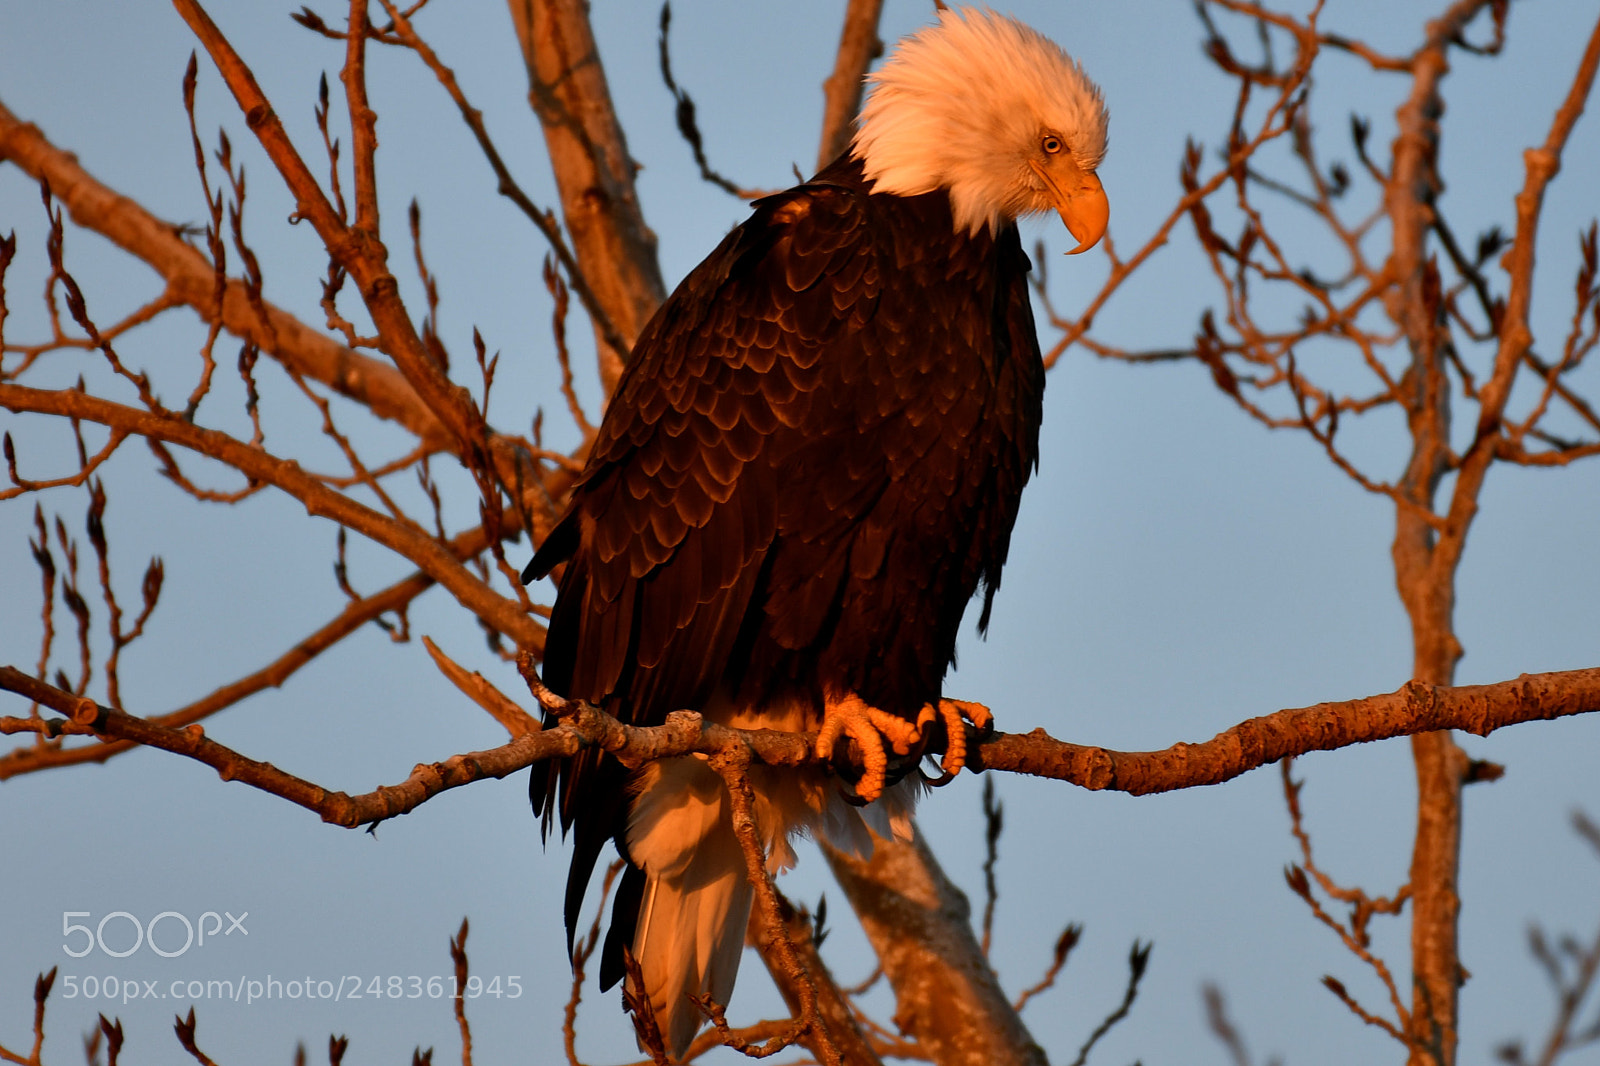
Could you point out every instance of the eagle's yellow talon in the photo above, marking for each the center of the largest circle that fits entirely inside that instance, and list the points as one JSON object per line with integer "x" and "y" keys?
{"x": 976, "y": 713}
{"x": 869, "y": 727}
{"x": 955, "y": 715}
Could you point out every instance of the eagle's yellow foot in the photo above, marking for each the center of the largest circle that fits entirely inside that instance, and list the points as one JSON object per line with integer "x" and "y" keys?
{"x": 870, "y": 727}
{"x": 956, "y": 714}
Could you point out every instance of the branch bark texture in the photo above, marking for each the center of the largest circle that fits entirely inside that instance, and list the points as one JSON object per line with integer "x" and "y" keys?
{"x": 920, "y": 925}
{"x": 1253, "y": 743}
{"x": 859, "y": 45}
{"x": 594, "y": 173}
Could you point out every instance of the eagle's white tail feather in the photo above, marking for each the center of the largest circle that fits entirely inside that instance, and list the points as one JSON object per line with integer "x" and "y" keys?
{"x": 697, "y": 899}
{"x": 696, "y": 904}
{"x": 691, "y": 936}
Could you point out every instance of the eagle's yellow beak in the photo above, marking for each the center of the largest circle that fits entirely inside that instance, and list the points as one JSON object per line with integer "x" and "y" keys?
{"x": 1080, "y": 198}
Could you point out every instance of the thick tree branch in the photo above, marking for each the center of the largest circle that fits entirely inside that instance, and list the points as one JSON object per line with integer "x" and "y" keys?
{"x": 544, "y": 221}
{"x": 841, "y": 92}
{"x": 567, "y": 87}
{"x": 1414, "y": 708}
{"x": 85, "y": 717}
{"x": 920, "y": 926}
{"x": 1424, "y": 559}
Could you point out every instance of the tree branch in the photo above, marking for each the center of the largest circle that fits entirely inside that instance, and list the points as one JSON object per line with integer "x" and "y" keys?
{"x": 543, "y": 220}
{"x": 919, "y": 924}
{"x": 589, "y": 154}
{"x": 1414, "y": 708}
{"x": 188, "y": 275}
{"x": 841, "y": 92}
{"x": 273, "y": 675}
{"x": 832, "y": 1005}
{"x": 356, "y": 248}
{"x": 505, "y": 615}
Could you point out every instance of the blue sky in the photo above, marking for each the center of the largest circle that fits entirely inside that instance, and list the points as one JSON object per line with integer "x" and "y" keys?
{"x": 1176, "y": 568}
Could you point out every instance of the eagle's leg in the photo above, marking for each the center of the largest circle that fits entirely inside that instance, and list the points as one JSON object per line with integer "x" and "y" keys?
{"x": 956, "y": 714}
{"x": 869, "y": 727}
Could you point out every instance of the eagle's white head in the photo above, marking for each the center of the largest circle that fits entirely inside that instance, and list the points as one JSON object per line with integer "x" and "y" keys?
{"x": 996, "y": 114}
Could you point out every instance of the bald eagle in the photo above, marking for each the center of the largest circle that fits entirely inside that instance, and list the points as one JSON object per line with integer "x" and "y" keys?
{"x": 811, "y": 465}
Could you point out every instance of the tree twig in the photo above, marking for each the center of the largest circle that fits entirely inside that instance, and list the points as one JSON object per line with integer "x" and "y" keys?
{"x": 505, "y": 615}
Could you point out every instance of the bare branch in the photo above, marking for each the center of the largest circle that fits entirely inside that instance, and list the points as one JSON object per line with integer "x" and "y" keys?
{"x": 859, "y": 45}
{"x": 1063, "y": 951}
{"x": 993, "y": 826}
{"x": 1334, "y": 985}
{"x": 605, "y": 329}
{"x": 185, "y": 1028}
{"x": 505, "y": 615}
{"x": 1217, "y": 1020}
{"x": 190, "y": 278}
{"x": 23, "y": 485}
{"x": 1138, "y": 958}
{"x": 1277, "y": 121}
{"x": 582, "y": 952}
{"x": 86, "y": 717}
{"x": 616, "y": 251}
{"x": 41, "y": 992}
{"x": 838, "y": 1019}
{"x": 732, "y": 764}
{"x": 357, "y": 248}
{"x": 274, "y": 675}
{"x": 1354, "y": 936}
{"x": 478, "y": 689}
{"x": 1413, "y": 708}
{"x": 557, "y": 288}
{"x": 458, "y": 956}
{"x": 363, "y": 120}
{"x": 1543, "y": 163}
{"x": 688, "y": 125}
{"x": 919, "y": 924}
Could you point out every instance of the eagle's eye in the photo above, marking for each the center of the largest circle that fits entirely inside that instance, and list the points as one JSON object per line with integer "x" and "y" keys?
{"x": 1051, "y": 144}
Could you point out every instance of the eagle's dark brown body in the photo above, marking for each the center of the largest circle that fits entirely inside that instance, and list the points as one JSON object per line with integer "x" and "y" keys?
{"x": 812, "y": 463}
